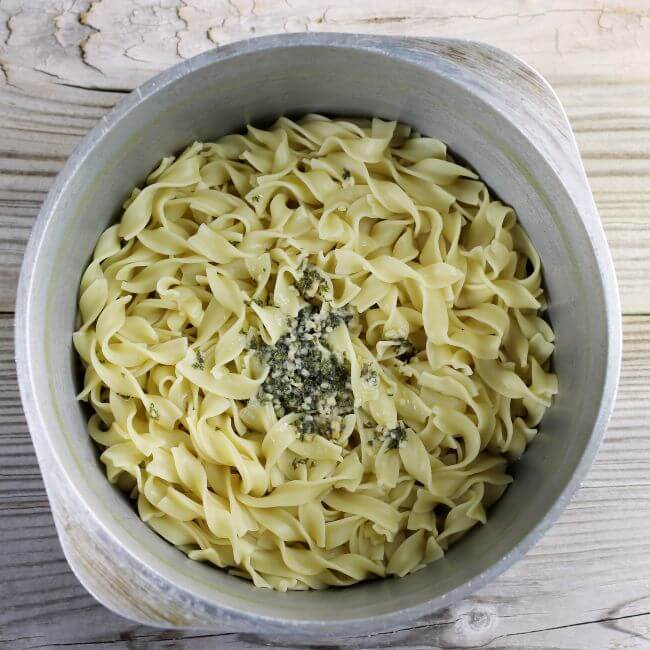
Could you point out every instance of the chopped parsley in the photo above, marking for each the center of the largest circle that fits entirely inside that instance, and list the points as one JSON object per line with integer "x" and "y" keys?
{"x": 153, "y": 411}
{"x": 298, "y": 461}
{"x": 369, "y": 375}
{"x": 254, "y": 340}
{"x": 346, "y": 174}
{"x": 199, "y": 362}
{"x": 393, "y": 437}
{"x": 396, "y": 435}
{"x": 305, "y": 377}
{"x": 404, "y": 350}
{"x": 255, "y": 198}
{"x": 311, "y": 282}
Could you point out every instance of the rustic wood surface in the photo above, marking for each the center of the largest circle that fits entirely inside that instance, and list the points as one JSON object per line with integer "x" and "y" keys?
{"x": 64, "y": 63}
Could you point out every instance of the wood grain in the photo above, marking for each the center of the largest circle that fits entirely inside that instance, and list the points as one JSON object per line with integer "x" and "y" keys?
{"x": 585, "y": 585}
{"x": 61, "y": 64}
{"x": 64, "y": 64}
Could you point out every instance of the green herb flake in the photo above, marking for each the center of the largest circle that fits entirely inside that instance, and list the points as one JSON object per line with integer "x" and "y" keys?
{"x": 199, "y": 361}
{"x": 254, "y": 340}
{"x": 311, "y": 282}
{"x": 396, "y": 435}
{"x": 369, "y": 375}
{"x": 404, "y": 350}
{"x": 255, "y": 198}
{"x": 346, "y": 174}
{"x": 153, "y": 411}
{"x": 298, "y": 461}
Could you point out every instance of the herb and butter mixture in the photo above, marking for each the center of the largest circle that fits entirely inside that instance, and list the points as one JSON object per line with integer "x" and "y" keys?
{"x": 312, "y": 350}
{"x": 305, "y": 377}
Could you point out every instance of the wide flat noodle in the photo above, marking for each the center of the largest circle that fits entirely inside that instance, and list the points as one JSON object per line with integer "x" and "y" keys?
{"x": 446, "y": 354}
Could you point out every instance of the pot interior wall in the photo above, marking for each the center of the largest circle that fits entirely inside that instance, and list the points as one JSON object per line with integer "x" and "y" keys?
{"x": 222, "y": 98}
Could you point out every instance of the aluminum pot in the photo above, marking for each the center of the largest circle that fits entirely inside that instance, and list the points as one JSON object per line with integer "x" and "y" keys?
{"x": 493, "y": 111}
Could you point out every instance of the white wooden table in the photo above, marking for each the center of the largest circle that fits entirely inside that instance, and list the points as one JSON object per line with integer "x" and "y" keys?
{"x": 64, "y": 63}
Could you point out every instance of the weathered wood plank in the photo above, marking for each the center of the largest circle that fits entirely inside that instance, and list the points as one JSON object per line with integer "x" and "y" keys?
{"x": 53, "y": 53}
{"x": 584, "y": 585}
{"x": 63, "y": 65}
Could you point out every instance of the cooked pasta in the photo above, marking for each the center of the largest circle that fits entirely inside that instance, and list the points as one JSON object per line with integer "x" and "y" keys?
{"x": 312, "y": 350}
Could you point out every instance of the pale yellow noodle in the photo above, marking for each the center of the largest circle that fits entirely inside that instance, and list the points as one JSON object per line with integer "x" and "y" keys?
{"x": 212, "y": 250}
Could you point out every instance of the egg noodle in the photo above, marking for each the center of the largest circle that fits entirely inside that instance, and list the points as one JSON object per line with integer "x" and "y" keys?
{"x": 311, "y": 350}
